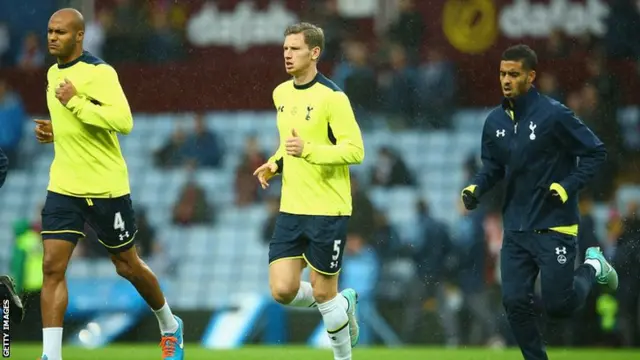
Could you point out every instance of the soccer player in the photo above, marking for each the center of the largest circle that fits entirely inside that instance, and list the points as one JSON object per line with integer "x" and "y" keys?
{"x": 89, "y": 181}
{"x": 546, "y": 155}
{"x": 319, "y": 139}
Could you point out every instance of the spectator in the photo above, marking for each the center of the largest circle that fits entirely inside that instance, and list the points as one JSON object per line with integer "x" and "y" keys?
{"x": 146, "y": 242}
{"x": 12, "y": 118}
{"x": 246, "y": 186}
{"x": 409, "y": 28}
{"x": 164, "y": 44}
{"x": 471, "y": 251}
{"x": 361, "y": 269}
{"x": 623, "y": 27}
{"x": 362, "y": 216}
{"x": 273, "y": 209}
{"x": 192, "y": 207}
{"x": 390, "y": 170}
{"x": 5, "y": 43}
{"x": 548, "y": 85}
{"x": 358, "y": 80}
{"x": 556, "y": 46}
{"x": 173, "y": 152}
{"x": 607, "y": 129}
{"x": 626, "y": 261}
{"x": 31, "y": 56}
{"x": 95, "y": 32}
{"x": 335, "y": 28}
{"x": 432, "y": 255}
{"x": 401, "y": 87}
{"x": 203, "y": 148}
{"x": 438, "y": 89}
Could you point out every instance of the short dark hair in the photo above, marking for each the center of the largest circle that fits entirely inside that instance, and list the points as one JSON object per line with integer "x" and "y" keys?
{"x": 522, "y": 53}
{"x": 313, "y": 35}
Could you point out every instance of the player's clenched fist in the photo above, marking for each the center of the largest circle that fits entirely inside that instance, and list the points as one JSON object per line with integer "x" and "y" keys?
{"x": 44, "y": 131}
{"x": 265, "y": 172}
{"x": 294, "y": 144}
{"x": 65, "y": 91}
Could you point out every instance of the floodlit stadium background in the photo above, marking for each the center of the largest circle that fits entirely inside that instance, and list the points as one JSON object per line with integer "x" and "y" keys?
{"x": 421, "y": 79}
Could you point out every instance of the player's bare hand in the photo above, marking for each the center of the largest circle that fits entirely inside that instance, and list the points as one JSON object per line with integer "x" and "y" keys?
{"x": 65, "y": 91}
{"x": 294, "y": 145}
{"x": 265, "y": 172}
{"x": 43, "y": 131}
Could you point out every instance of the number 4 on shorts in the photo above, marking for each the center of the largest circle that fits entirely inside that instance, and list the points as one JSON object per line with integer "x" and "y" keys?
{"x": 118, "y": 223}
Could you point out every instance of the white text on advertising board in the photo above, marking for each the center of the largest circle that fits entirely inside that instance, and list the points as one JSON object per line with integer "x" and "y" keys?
{"x": 241, "y": 28}
{"x": 524, "y": 18}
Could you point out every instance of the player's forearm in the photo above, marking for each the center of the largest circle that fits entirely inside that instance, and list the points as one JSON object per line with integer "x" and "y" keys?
{"x": 278, "y": 158}
{"x": 110, "y": 117}
{"x": 487, "y": 178}
{"x": 586, "y": 170}
{"x": 341, "y": 154}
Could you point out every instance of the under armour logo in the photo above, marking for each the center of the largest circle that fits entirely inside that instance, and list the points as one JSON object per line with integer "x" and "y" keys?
{"x": 333, "y": 265}
{"x": 501, "y": 133}
{"x": 308, "y": 117}
{"x": 532, "y": 127}
{"x": 281, "y": 108}
{"x": 561, "y": 251}
{"x": 124, "y": 236}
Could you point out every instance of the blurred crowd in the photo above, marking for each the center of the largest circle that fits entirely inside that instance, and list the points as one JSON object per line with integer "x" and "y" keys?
{"x": 455, "y": 267}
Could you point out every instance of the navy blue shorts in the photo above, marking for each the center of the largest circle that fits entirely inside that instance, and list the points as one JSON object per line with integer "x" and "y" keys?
{"x": 113, "y": 220}
{"x": 319, "y": 240}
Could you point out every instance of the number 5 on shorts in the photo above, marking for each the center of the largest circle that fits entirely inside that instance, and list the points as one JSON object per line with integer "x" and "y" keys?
{"x": 118, "y": 223}
{"x": 336, "y": 249}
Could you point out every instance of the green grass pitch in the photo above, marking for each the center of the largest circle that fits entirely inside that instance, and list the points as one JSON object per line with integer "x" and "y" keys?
{"x": 194, "y": 352}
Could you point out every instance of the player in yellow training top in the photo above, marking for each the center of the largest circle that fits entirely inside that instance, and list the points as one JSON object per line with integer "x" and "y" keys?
{"x": 89, "y": 181}
{"x": 319, "y": 139}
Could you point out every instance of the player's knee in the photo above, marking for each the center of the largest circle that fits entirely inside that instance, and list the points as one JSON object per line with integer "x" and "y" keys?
{"x": 125, "y": 269}
{"x": 53, "y": 269}
{"x": 283, "y": 292}
{"x": 514, "y": 303}
{"x": 558, "y": 309}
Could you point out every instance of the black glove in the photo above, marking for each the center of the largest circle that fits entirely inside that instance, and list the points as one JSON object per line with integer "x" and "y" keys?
{"x": 8, "y": 292}
{"x": 469, "y": 198}
{"x": 554, "y": 197}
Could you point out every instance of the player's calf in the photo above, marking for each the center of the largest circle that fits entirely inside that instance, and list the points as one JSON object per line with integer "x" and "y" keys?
{"x": 131, "y": 267}
{"x": 333, "y": 307}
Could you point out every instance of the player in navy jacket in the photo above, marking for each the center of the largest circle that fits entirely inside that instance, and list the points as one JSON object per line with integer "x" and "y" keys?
{"x": 546, "y": 155}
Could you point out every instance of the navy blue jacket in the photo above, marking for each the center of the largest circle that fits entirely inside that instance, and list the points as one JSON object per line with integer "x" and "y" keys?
{"x": 4, "y": 164}
{"x": 544, "y": 144}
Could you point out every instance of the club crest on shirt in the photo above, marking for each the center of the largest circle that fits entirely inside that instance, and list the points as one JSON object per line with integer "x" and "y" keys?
{"x": 309, "y": 109}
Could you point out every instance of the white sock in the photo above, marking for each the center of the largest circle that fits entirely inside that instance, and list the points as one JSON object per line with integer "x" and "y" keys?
{"x": 52, "y": 343}
{"x": 596, "y": 265}
{"x": 336, "y": 322}
{"x": 304, "y": 297}
{"x": 168, "y": 323}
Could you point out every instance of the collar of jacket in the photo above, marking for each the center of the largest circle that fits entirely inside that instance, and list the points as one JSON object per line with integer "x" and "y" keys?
{"x": 520, "y": 103}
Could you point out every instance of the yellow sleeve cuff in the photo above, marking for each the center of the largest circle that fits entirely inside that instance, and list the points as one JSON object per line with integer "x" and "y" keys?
{"x": 561, "y": 191}
{"x": 306, "y": 150}
{"x": 471, "y": 188}
{"x": 74, "y": 102}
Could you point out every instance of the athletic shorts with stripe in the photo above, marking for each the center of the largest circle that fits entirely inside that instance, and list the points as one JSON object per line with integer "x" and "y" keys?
{"x": 113, "y": 220}
{"x": 320, "y": 240}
